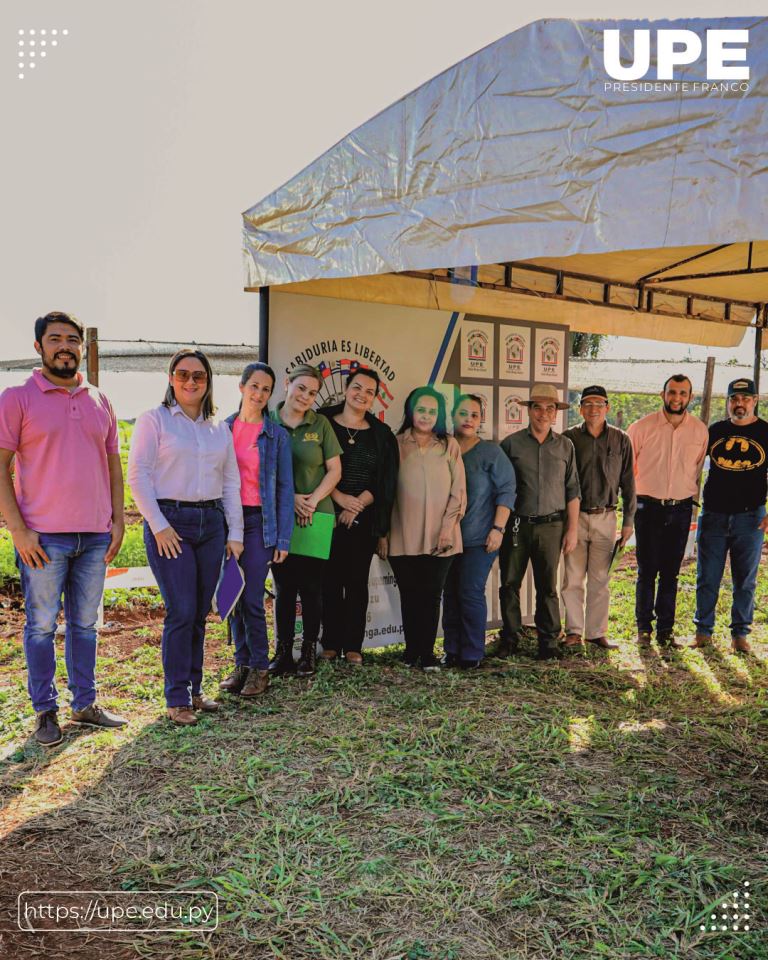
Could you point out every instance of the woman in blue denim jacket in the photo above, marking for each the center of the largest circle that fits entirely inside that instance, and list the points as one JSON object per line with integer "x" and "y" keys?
{"x": 263, "y": 450}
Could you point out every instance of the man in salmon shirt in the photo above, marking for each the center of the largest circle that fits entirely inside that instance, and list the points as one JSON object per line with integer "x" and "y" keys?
{"x": 64, "y": 510}
{"x": 669, "y": 447}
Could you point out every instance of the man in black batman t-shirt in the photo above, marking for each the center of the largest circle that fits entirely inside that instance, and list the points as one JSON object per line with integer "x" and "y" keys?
{"x": 733, "y": 519}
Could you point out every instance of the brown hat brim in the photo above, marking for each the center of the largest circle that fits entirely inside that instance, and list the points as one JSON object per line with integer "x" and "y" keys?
{"x": 560, "y": 404}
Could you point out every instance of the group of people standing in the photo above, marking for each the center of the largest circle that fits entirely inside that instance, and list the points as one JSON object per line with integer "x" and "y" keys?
{"x": 439, "y": 504}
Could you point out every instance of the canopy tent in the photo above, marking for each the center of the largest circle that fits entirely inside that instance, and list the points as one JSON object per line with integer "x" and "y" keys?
{"x": 520, "y": 182}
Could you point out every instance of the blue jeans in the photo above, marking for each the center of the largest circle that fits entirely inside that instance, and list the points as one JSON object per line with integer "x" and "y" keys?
{"x": 661, "y": 533}
{"x": 249, "y": 622}
{"x": 718, "y": 535}
{"x": 465, "y": 611}
{"x": 187, "y": 584}
{"x": 77, "y": 570}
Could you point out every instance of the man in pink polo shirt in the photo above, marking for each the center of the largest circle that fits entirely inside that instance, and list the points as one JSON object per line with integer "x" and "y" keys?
{"x": 669, "y": 446}
{"x": 64, "y": 509}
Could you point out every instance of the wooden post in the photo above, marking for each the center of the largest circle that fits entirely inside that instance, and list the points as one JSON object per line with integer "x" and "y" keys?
{"x": 706, "y": 397}
{"x": 92, "y": 356}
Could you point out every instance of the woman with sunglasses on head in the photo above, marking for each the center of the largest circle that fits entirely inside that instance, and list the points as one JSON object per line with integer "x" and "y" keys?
{"x": 425, "y": 534}
{"x": 490, "y": 498}
{"x": 263, "y": 450}
{"x": 183, "y": 473}
{"x": 363, "y": 501}
{"x": 316, "y": 457}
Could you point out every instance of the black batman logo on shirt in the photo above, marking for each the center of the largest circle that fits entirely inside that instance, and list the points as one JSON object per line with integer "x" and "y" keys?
{"x": 737, "y": 453}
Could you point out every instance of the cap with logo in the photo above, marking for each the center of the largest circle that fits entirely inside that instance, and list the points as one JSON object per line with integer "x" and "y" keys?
{"x": 743, "y": 385}
{"x": 594, "y": 391}
{"x": 545, "y": 393}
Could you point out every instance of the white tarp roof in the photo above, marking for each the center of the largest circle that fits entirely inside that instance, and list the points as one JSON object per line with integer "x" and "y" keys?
{"x": 518, "y": 151}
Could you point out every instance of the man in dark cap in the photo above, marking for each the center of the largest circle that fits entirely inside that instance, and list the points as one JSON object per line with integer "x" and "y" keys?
{"x": 733, "y": 519}
{"x": 606, "y": 469}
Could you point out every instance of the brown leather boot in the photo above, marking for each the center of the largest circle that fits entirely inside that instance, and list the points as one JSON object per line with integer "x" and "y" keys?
{"x": 201, "y": 702}
{"x": 184, "y": 716}
{"x": 573, "y": 640}
{"x": 235, "y": 681}
{"x": 740, "y": 645}
{"x": 256, "y": 684}
{"x": 603, "y": 642}
{"x": 701, "y": 642}
{"x": 644, "y": 638}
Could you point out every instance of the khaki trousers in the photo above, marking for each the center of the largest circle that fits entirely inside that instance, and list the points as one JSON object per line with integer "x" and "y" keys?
{"x": 589, "y": 562}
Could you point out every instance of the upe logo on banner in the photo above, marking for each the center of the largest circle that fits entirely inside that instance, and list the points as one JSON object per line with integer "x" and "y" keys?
{"x": 677, "y": 48}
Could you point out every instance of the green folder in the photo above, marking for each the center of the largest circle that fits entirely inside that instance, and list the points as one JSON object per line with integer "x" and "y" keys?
{"x": 314, "y": 540}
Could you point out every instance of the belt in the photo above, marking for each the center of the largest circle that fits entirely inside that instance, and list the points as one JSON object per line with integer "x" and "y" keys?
{"x": 593, "y": 510}
{"x": 544, "y": 518}
{"x": 250, "y": 509}
{"x": 202, "y": 504}
{"x": 664, "y": 503}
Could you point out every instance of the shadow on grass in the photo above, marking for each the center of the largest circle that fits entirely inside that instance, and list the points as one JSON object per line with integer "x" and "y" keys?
{"x": 521, "y": 810}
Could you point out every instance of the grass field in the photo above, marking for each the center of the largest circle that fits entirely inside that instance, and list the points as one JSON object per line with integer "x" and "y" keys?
{"x": 599, "y": 808}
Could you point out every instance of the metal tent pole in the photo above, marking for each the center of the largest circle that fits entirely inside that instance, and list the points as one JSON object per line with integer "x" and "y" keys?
{"x": 264, "y": 324}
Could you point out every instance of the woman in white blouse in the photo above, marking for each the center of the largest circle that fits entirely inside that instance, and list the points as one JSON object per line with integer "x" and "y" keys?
{"x": 184, "y": 476}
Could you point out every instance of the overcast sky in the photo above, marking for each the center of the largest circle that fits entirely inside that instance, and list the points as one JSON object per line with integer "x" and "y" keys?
{"x": 132, "y": 147}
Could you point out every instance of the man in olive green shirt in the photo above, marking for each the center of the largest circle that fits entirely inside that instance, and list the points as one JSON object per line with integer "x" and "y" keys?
{"x": 544, "y": 522}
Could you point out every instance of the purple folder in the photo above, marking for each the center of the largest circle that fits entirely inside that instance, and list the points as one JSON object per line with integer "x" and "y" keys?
{"x": 231, "y": 584}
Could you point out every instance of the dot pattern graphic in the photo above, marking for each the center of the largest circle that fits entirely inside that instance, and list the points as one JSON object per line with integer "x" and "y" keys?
{"x": 740, "y": 917}
{"x": 27, "y": 53}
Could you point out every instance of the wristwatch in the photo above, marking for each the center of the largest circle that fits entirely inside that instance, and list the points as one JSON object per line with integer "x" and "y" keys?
{"x": 502, "y": 530}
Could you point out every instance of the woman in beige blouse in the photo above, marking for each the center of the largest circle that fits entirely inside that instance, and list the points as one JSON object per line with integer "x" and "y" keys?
{"x": 425, "y": 534}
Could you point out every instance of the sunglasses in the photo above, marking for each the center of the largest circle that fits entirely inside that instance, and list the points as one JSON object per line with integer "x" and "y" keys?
{"x": 196, "y": 376}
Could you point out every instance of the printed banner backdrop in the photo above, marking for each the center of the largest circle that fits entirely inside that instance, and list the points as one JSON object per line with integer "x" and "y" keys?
{"x": 496, "y": 359}
{"x": 549, "y": 356}
{"x": 402, "y": 344}
{"x": 513, "y": 416}
{"x": 477, "y": 349}
{"x": 515, "y": 353}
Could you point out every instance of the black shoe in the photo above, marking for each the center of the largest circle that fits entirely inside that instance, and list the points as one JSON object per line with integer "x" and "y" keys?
{"x": 235, "y": 682}
{"x": 308, "y": 660}
{"x": 666, "y": 638}
{"x": 430, "y": 663}
{"x": 470, "y": 664}
{"x": 504, "y": 648}
{"x": 410, "y": 659}
{"x": 48, "y": 731}
{"x": 95, "y": 716}
{"x": 549, "y": 651}
{"x": 282, "y": 662}
{"x": 450, "y": 660}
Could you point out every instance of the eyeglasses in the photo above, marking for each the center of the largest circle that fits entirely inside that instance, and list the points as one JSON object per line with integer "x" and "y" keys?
{"x": 196, "y": 376}
{"x": 594, "y": 405}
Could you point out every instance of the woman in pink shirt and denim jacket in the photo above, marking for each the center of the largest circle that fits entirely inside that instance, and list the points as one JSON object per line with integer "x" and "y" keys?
{"x": 183, "y": 473}
{"x": 263, "y": 450}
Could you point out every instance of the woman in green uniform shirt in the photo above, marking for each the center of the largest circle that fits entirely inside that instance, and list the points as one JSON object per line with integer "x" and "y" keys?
{"x": 316, "y": 472}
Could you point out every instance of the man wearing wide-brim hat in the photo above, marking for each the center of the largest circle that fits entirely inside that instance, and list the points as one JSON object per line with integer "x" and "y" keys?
{"x": 544, "y": 523}
{"x": 733, "y": 520}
